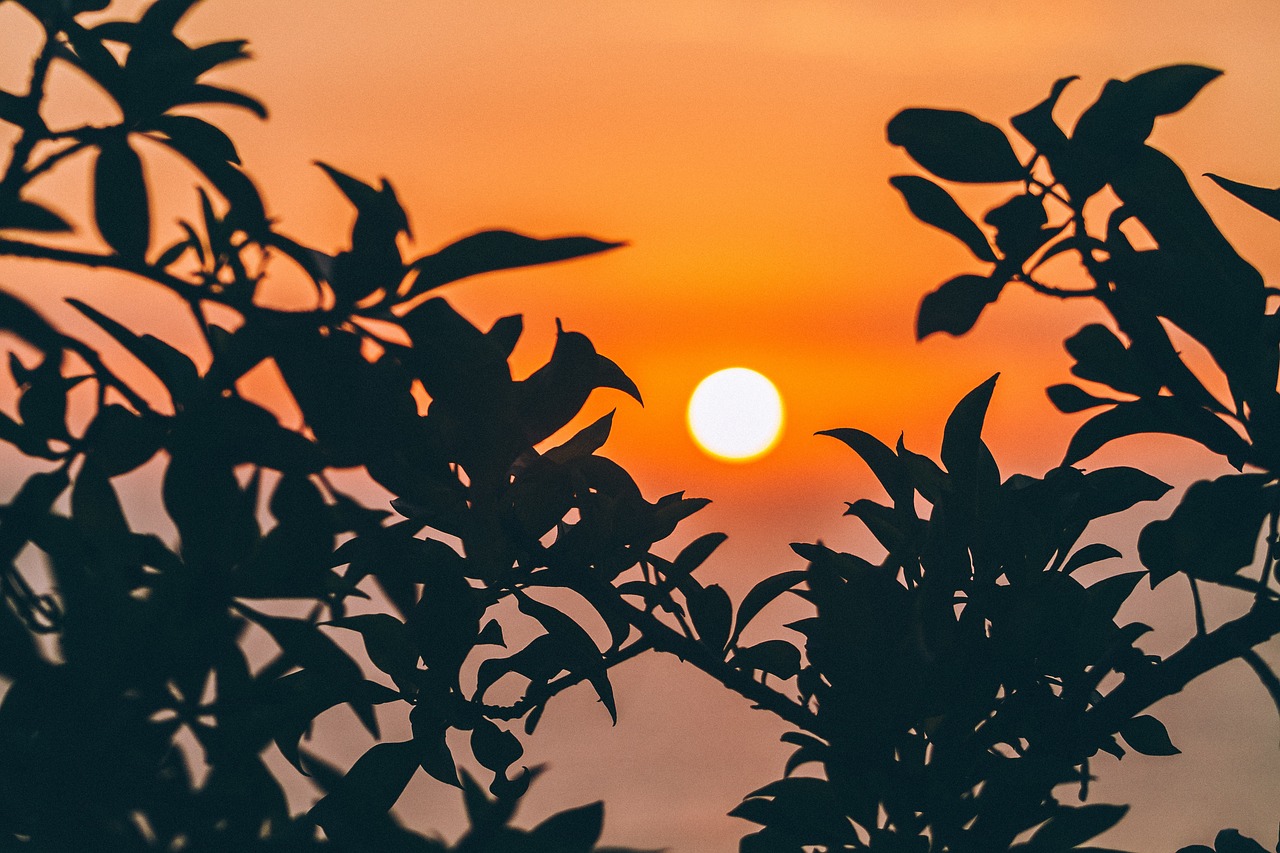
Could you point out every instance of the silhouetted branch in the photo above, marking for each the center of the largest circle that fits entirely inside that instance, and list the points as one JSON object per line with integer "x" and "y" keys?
{"x": 1202, "y": 653}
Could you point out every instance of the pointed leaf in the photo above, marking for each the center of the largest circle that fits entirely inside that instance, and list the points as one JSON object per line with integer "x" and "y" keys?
{"x": 1265, "y": 200}
{"x": 933, "y": 205}
{"x": 1158, "y": 415}
{"x": 762, "y": 594}
{"x": 956, "y": 146}
{"x": 120, "y": 205}
{"x": 570, "y": 831}
{"x": 1148, "y": 735}
{"x": 488, "y": 251}
{"x": 1069, "y": 398}
{"x": 955, "y": 306}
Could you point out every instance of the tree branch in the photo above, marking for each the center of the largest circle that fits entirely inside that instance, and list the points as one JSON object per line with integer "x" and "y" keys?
{"x": 1202, "y": 653}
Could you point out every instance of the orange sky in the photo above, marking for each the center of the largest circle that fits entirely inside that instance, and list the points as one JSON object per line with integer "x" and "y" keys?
{"x": 739, "y": 146}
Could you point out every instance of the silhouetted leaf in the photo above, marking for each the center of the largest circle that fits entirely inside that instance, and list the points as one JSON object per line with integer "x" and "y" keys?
{"x": 387, "y": 642}
{"x": 429, "y": 730}
{"x": 962, "y": 447}
{"x": 1265, "y": 200}
{"x": 203, "y": 93}
{"x": 1159, "y": 415}
{"x": 1148, "y": 735}
{"x": 1231, "y": 841}
{"x": 1166, "y": 90}
{"x": 934, "y": 206}
{"x": 1112, "y": 490}
{"x": 1070, "y": 827}
{"x": 505, "y": 332}
{"x": 1037, "y": 125}
{"x": 761, "y": 595}
{"x": 696, "y": 553}
{"x": 956, "y": 146}
{"x": 956, "y": 305}
{"x": 1071, "y": 398}
{"x": 570, "y": 831}
{"x": 1090, "y": 554}
{"x": 711, "y": 612}
{"x": 1213, "y": 532}
{"x": 196, "y": 139}
{"x": 488, "y": 251}
{"x": 29, "y": 216}
{"x": 883, "y": 462}
{"x": 172, "y": 367}
{"x": 1102, "y": 357}
{"x": 495, "y": 748}
{"x": 776, "y": 657}
{"x": 372, "y": 785}
{"x": 120, "y": 206}
{"x": 584, "y": 443}
{"x": 1110, "y": 593}
{"x": 1021, "y": 227}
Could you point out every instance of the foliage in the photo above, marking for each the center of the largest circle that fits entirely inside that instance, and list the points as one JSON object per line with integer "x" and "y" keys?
{"x": 946, "y": 692}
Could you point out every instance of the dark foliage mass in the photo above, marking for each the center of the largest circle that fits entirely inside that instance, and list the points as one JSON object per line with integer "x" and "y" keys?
{"x": 948, "y": 696}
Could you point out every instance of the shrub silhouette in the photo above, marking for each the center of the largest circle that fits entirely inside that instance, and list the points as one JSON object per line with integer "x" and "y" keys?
{"x": 950, "y": 693}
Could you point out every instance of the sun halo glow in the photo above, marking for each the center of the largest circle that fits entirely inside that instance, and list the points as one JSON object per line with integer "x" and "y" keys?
{"x": 735, "y": 415}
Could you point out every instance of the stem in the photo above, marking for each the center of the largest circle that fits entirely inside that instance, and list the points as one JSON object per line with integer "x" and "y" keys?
{"x": 540, "y": 696}
{"x": 1201, "y": 628}
{"x": 15, "y": 173}
{"x": 664, "y": 638}
{"x": 1235, "y": 639}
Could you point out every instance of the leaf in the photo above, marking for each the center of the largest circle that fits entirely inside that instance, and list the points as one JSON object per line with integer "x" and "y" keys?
{"x": 1159, "y": 415}
{"x": 1102, "y": 357}
{"x": 962, "y": 447}
{"x": 696, "y": 553}
{"x": 171, "y": 366}
{"x": 570, "y": 831}
{"x": 1070, "y": 827}
{"x": 1213, "y": 532}
{"x": 1264, "y": 200}
{"x": 373, "y": 784}
{"x": 955, "y": 306}
{"x": 196, "y": 139}
{"x": 1166, "y": 90}
{"x": 572, "y": 638}
{"x": 1090, "y": 554}
{"x": 956, "y": 146}
{"x": 1037, "y": 125}
{"x": 120, "y": 206}
{"x": 711, "y": 612}
{"x": 933, "y": 205}
{"x": 488, "y": 251}
{"x": 1071, "y": 398}
{"x": 776, "y": 657}
{"x": 761, "y": 595}
{"x": 1147, "y": 735}
{"x": 495, "y": 748}
{"x": 1231, "y": 841}
{"x": 29, "y": 216}
{"x": 584, "y": 443}
{"x": 1110, "y": 593}
{"x": 880, "y": 458}
{"x": 1112, "y": 490}
{"x": 203, "y": 93}
{"x": 386, "y": 642}
{"x": 429, "y": 730}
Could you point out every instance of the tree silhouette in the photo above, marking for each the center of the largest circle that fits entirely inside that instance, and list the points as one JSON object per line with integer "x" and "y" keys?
{"x": 950, "y": 693}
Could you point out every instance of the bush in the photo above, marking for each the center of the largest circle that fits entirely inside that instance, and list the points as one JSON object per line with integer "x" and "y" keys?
{"x": 949, "y": 693}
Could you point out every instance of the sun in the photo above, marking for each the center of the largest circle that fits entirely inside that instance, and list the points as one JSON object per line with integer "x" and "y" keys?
{"x": 735, "y": 415}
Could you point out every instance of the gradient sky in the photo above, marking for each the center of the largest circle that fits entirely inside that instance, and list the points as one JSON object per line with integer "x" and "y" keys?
{"x": 739, "y": 146}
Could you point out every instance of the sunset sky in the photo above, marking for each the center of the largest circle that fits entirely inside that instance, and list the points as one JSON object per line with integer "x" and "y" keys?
{"x": 739, "y": 147}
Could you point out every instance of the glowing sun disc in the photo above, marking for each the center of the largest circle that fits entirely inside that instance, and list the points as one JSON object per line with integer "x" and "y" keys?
{"x": 735, "y": 415}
